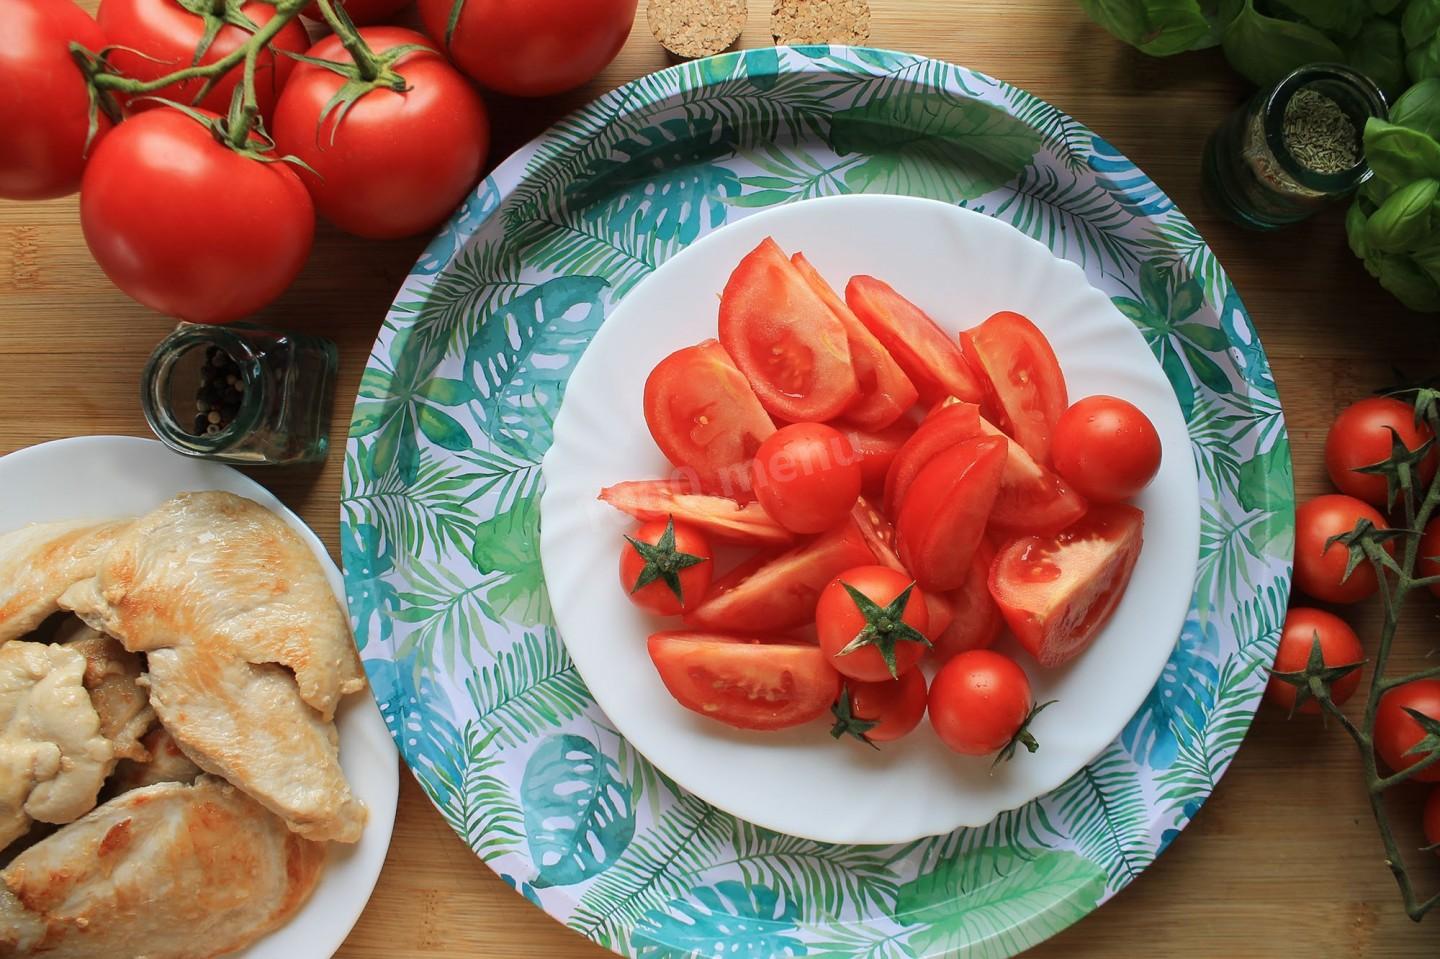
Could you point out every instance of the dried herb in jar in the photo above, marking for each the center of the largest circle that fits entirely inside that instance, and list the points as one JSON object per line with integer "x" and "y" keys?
{"x": 1319, "y": 134}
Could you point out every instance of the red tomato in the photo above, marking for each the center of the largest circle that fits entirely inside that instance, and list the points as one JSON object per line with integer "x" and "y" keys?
{"x": 721, "y": 518}
{"x": 807, "y": 476}
{"x": 1432, "y": 820}
{"x": 980, "y": 702}
{"x": 1057, "y": 592}
{"x": 1360, "y": 436}
{"x": 1428, "y": 554}
{"x": 1320, "y": 569}
{"x": 532, "y": 48}
{"x": 880, "y": 537}
{"x": 770, "y": 593}
{"x": 886, "y": 393}
{"x": 931, "y": 359}
{"x": 786, "y": 341}
{"x": 1106, "y": 448}
{"x": 162, "y": 37}
{"x": 705, "y": 418}
{"x": 743, "y": 682}
{"x": 942, "y": 516}
{"x": 1397, "y": 732}
{"x": 1024, "y": 377}
{"x": 877, "y": 449}
{"x": 395, "y": 164}
{"x": 363, "y": 13}
{"x": 891, "y": 639}
{"x": 945, "y": 427}
{"x": 666, "y": 569}
{"x": 976, "y": 621}
{"x": 1339, "y": 646}
{"x": 189, "y": 227}
{"x": 44, "y": 100}
{"x": 880, "y": 712}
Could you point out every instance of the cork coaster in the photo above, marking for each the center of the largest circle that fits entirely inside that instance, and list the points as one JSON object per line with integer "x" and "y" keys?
{"x": 820, "y": 21}
{"x": 696, "y": 28}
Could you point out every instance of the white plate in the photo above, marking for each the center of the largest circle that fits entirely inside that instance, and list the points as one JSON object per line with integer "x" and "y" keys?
{"x": 960, "y": 267}
{"x": 104, "y": 477}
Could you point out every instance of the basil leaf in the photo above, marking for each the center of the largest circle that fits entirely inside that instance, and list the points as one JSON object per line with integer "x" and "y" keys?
{"x": 1266, "y": 49}
{"x": 1404, "y": 220}
{"x": 1399, "y": 154}
{"x": 1419, "y": 108}
{"x": 1157, "y": 27}
{"x": 1378, "y": 51}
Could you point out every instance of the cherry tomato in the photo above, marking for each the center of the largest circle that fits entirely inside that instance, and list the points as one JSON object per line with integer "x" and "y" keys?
{"x": 1360, "y": 436}
{"x": 945, "y": 427}
{"x": 188, "y": 226}
{"x": 1339, "y": 646}
{"x": 705, "y": 418}
{"x": 743, "y": 682}
{"x": 1057, "y": 592}
{"x": 1320, "y": 569}
{"x": 883, "y": 633}
{"x": 1427, "y": 562}
{"x": 1024, "y": 377}
{"x": 720, "y": 518}
{"x": 44, "y": 100}
{"x": 769, "y": 593}
{"x": 929, "y": 357}
{"x": 975, "y": 619}
{"x": 1397, "y": 732}
{"x": 532, "y": 48}
{"x": 1106, "y": 448}
{"x": 1432, "y": 820}
{"x": 152, "y": 38}
{"x": 786, "y": 341}
{"x": 980, "y": 702}
{"x": 394, "y": 164}
{"x": 363, "y": 13}
{"x": 666, "y": 566}
{"x": 880, "y": 537}
{"x": 880, "y": 712}
{"x": 877, "y": 449}
{"x": 886, "y": 393}
{"x": 943, "y": 513}
{"x": 807, "y": 476}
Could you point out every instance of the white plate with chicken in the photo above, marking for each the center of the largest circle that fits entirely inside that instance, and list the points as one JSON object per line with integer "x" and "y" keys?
{"x": 191, "y": 764}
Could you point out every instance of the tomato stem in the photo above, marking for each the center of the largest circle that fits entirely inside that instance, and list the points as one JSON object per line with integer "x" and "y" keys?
{"x": 367, "y": 63}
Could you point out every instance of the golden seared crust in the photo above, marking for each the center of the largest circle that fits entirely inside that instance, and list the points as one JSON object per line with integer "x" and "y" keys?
{"x": 39, "y": 562}
{"x": 170, "y": 871}
{"x": 112, "y": 676}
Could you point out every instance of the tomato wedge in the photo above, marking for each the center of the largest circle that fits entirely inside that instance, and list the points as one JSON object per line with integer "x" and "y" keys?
{"x": 788, "y": 343}
{"x": 885, "y": 391}
{"x": 743, "y": 682}
{"x": 946, "y": 427}
{"x": 768, "y": 593}
{"x": 1024, "y": 376}
{"x": 943, "y": 513}
{"x": 975, "y": 620}
{"x": 877, "y": 449}
{"x": 1056, "y": 592}
{"x": 880, "y": 537}
{"x": 705, "y": 418}
{"x": 724, "y": 519}
{"x": 933, "y": 361}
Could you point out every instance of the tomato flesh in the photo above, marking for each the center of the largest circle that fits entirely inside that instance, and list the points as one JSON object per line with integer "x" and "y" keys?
{"x": 880, "y": 537}
{"x": 788, "y": 343}
{"x": 1024, "y": 377}
{"x": 885, "y": 392}
{"x": 807, "y": 476}
{"x": 928, "y": 356}
{"x": 946, "y": 427}
{"x": 877, "y": 449}
{"x": 979, "y": 701}
{"x": 1339, "y": 646}
{"x": 1397, "y": 732}
{"x": 975, "y": 621}
{"x": 743, "y": 682}
{"x": 723, "y": 519}
{"x": 1057, "y": 592}
{"x": 705, "y": 418}
{"x": 943, "y": 513}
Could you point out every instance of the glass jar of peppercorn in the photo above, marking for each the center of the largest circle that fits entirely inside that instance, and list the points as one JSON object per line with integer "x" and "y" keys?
{"x": 241, "y": 394}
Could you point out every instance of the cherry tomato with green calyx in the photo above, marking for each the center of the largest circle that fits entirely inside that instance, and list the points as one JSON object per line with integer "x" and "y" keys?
{"x": 1320, "y": 565}
{"x": 666, "y": 567}
{"x": 1399, "y": 738}
{"x": 1339, "y": 648}
{"x": 807, "y": 476}
{"x": 871, "y": 622}
{"x": 880, "y": 712}
{"x": 1364, "y": 435}
{"x": 1106, "y": 448}
{"x": 980, "y": 703}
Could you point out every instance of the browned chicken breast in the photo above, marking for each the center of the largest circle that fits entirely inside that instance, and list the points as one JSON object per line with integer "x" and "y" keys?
{"x": 41, "y": 561}
{"x": 112, "y": 676}
{"x": 166, "y": 762}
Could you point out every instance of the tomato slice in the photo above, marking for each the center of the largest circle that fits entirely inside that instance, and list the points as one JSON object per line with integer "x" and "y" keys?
{"x": 877, "y": 449}
{"x": 932, "y": 360}
{"x": 767, "y": 593}
{"x": 945, "y": 427}
{"x": 885, "y": 391}
{"x": 743, "y": 682}
{"x": 1024, "y": 376}
{"x": 705, "y": 418}
{"x": 943, "y": 513}
{"x": 1056, "y": 592}
{"x": 880, "y": 537}
{"x": 724, "y": 519}
{"x": 975, "y": 619}
{"x": 788, "y": 343}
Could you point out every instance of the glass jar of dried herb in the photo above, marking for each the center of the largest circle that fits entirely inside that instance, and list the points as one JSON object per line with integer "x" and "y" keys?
{"x": 1292, "y": 149}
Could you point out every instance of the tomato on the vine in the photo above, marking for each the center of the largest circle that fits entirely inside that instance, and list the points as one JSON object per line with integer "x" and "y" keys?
{"x": 880, "y": 712}
{"x": 534, "y": 48}
{"x": 363, "y": 13}
{"x": 871, "y": 622}
{"x": 1397, "y": 732}
{"x": 1320, "y": 568}
{"x": 1339, "y": 646}
{"x": 388, "y": 164}
{"x": 807, "y": 476}
{"x": 1361, "y": 436}
{"x": 665, "y": 567}
{"x": 980, "y": 703}
{"x": 1106, "y": 448}
{"x": 189, "y": 226}
{"x": 153, "y": 38}
{"x": 44, "y": 99}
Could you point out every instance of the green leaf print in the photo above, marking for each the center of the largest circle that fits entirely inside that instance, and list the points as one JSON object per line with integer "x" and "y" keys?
{"x": 508, "y": 545}
{"x": 933, "y": 145}
{"x": 578, "y": 815}
{"x": 412, "y": 397}
{"x": 733, "y": 919}
{"x": 531, "y": 686}
{"x": 477, "y": 804}
{"x": 1103, "y": 810}
{"x": 996, "y": 902}
{"x": 1168, "y": 300}
{"x": 523, "y": 354}
{"x": 1267, "y": 483}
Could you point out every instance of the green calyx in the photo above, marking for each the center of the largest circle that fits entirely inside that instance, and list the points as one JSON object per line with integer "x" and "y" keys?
{"x": 884, "y": 627}
{"x": 216, "y": 15}
{"x": 663, "y": 562}
{"x": 366, "y": 72}
{"x": 1022, "y": 737}
{"x": 847, "y": 723}
{"x": 1401, "y": 469}
{"x": 1316, "y": 679}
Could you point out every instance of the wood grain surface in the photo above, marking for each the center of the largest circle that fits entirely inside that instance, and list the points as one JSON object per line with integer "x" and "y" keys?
{"x": 1283, "y": 861}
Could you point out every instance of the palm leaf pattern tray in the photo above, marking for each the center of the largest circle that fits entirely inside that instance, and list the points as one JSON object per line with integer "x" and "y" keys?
{"x": 441, "y": 515}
